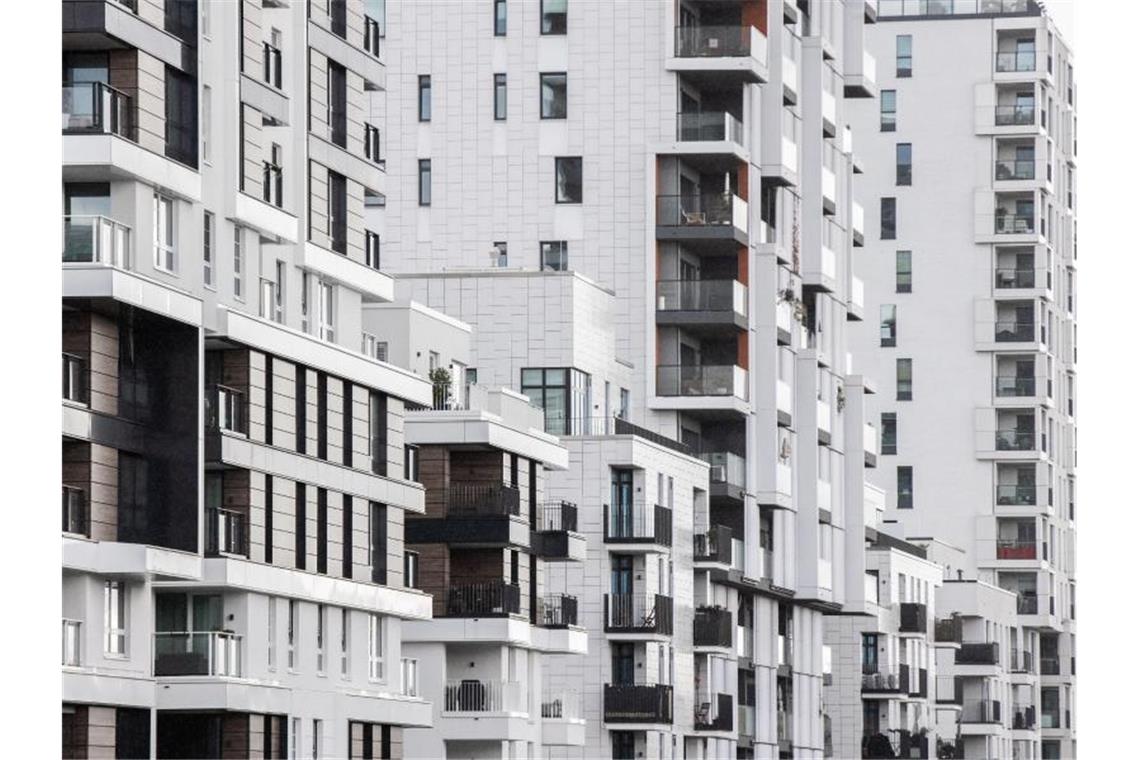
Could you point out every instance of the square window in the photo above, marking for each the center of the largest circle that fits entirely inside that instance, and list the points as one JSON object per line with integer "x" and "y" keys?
{"x": 554, "y": 255}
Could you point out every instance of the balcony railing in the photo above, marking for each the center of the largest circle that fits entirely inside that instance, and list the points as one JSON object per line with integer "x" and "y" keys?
{"x": 714, "y": 545}
{"x": 1021, "y": 661}
{"x": 1014, "y": 440}
{"x": 74, "y": 378}
{"x": 227, "y": 532}
{"x": 1011, "y": 495}
{"x": 711, "y": 209}
{"x": 482, "y": 696}
{"x": 1012, "y": 386}
{"x": 711, "y": 126}
{"x": 1024, "y": 717}
{"x": 562, "y": 705}
{"x": 96, "y": 107}
{"x": 271, "y": 65}
{"x": 923, "y": 685}
{"x": 981, "y": 711}
{"x": 1050, "y": 665}
{"x": 948, "y": 630}
{"x": 712, "y": 627}
{"x": 557, "y": 516}
{"x": 469, "y": 499}
{"x": 638, "y": 703}
{"x": 880, "y": 682}
{"x": 893, "y": 8}
{"x": 1017, "y": 549}
{"x": 1027, "y": 604}
{"x": 225, "y": 409}
{"x": 76, "y": 515}
{"x": 978, "y": 653}
{"x": 634, "y": 613}
{"x": 1013, "y": 224}
{"x": 96, "y": 240}
{"x": 197, "y": 653}
{"x": 72, "y": 643}
{"x": 715, "y": 715}
{"x": 635, "y": 523}
{"x": 714, "y": 41}
{"x": 912, "y": 617}
{"x": 1013, "y": 332}
{"x": 1011, "y": 169}
{"x": 557, "y": 611}
{"x": 1018, "y": 60}
{"x": 486, "y": 599}
{"x": 702, "y": 380}
{"x": 1014, "y": 115}
{"x": 726, "y": 467}
{"x": 702, "y": 295}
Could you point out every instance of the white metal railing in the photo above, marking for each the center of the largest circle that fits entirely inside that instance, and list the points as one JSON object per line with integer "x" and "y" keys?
{"x": 409, "y": 677}
{"x": 72, "y": 638}
{"x": 562, "y": 705}
{"x": 482, "y": 696}
{"x": 197, "y": 653}
{"x": 96, "y": 239}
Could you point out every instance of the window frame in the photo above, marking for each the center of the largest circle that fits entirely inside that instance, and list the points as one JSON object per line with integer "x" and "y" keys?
{"x": 163, "y": 217}
{"x": 209, "y": 229}
{"x": 888, "y": 325}
{"x": 292, "y": 624}
{"x": 904, "y": 170}
{"x": 900, "y": 393}
{"x": 423, "y": 98}
{"x": 553, "y": 29}
{"x": 891, "y": 232}
{"x": 500, "y": 96}
{"x": 375, "y": 647}
{"x": 904, "y": 285}
{"x": 116, "y": 611}
{"x": 545, "y": 247}
{"x": 904, "y": 499}
{"x": 893, "y": 419}
{"x": 553, "y": 114}
{"x": 902, "y": 72}
{"x": 891, "y": 124}
{"x": 326, "y": 311}
{"x": 568, "y": 199}
{"x": 424, "y": 182}
{"x": 499, "y": 18}
{"x": 239, "y": 262}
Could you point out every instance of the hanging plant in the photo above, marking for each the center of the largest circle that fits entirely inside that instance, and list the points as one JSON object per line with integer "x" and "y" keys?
{"x": 840, "y": 398}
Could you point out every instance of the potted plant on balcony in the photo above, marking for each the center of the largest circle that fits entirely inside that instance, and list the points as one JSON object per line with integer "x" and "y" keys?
{"x": 440, "y": 379}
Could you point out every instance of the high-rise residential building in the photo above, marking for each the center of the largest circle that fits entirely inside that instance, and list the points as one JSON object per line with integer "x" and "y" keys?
{"x": 234, "y": 467}
{"x": 971, "y": 270}
{"x": 680, "y": 174}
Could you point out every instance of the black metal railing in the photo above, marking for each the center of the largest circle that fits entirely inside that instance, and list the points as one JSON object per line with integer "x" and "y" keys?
{"x": 486, "y": 599}
{"x": 912, "y": 617}
{"x": 1011, "y": 386}
{"x": 978, "y": 653}
{"x": 712, "y": 627}
{"x": 638, "y": 703}
{"x": 1014, "y": 115}
{"x": 1018, "y": 60}
{"x": 97, "y": 107}
{"x": 714, "y": 716}
{"x": 695, "y": 41}
{"x": 1010, "y": 495}
{"x": 634, "y": 523}
{"x": 981, "y": 711}
{"x": 710, "y": 209}
{"x": 948, "y": 630}
{"x": 1014, "y": 440}
{"x": 714, "y": 545}
{"x": 271, "y": 65}
{"x": 714, "y": 126}
{"x": 74, "y": 378}
{"x": 557, "y": 516}
{"x": 76, "y": 515}
{"x": 1015, "y": 168}
{"x": 1021, "y": 660}
{"x": 557, "y": 611}
{"x": 272, "y": 184}
{"x": 1024, "y": 717}
{"x": 227, "y": 532}
{"x": 225, "y": 409}
{"x": 1013, "y": 332}
{"x": 637, "y": 613}
{"x": 1050, "y": 665}
{"x": 482, "y": 499}
{"x": 1006, "y": 279}
{"x": 701, "y": 295}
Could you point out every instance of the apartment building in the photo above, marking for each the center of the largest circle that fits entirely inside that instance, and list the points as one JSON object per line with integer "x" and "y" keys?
{"x": 234, "y": 468}
{"x": 484, "y": 549}
{"x": 971, "y": 152}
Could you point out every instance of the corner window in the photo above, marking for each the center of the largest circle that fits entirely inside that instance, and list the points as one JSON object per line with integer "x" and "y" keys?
{"x": 554, "y": 16}
{"x": 425, "y": 181}
{"x": 552, "y": 88}
{"x": 887, "y": 325}
{"x": 500, "y": 97}
{"x": 903, "y": 56}
{"x": 568, "y": 180}
{"x": 164, "y": 233}
{"x": 425, "y": 97}
{"x": 887, "y": 218}
{"x": 563, "y": 395}
{"x": 554, "y": 255}
{"x": 887, "y": 115}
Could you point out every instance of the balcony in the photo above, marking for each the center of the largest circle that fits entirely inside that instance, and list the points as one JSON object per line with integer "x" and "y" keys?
{"x": 1017, "y": 494}
{"x": 714, "y": 545}
{"x": 1011, "y": 61}
{"x": 637, "y": 524}
{"x": 1017, "y": 549}
{"x": 1013, "y": 224}
{"x": 702, "y": 305}
{"x": 483, "y": 696}
{"x": 948, "y": 630}
{"x": 486, "y": 599}
{"x": 72, "y": 643}
{"x": 638, "y": 703}
{"x": 272, "y": 184}
{"x": 556, "y": 534}
{"x": 922, "y": 684}
{"x": 1021, "y": 661}
{"x": 715, "y": 715}
{"x": 227, "y": 533}
{"x": 710, "y": 126}
{"x": 1017, "y": 278}
{"x": 912, "y": 618}
{"x": 1014, "y": 332}
{"x": 978, "y": 653}
{"x": 884, "y": 683}
{"x": 193, "y": 653}
{"x": 1050, "y": 665}
{"x": 697, "y": 380}
{"x": 981, "y": 711}
{"x": 483, "y": 500}
{"x": 1015, "y": 115}
{"x": 557, "y": 611}
{"x": 97, "y": 108}
{"x": 226, "y": 409}
{"x": 1027, "y": 604}
{"x": 1024, "y": 717}
{"x": 712, "y": 627}
{"x": 637, "y": 614}
{"x": 727, "y": 474}
{"x": 1014, "y": 440}
{"x": 730, "y": 54}
{"x": 76, "y": 515}
{"x": 709, "y": 223}
{"x": 96, "y": 240}
{"x": 1009, "y": 170}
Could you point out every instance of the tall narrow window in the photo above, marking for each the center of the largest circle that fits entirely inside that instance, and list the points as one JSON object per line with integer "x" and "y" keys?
{"x": 208, "y": 249}
{"x": 552, "y": 89}
{"x": 345, "y": 624}
{"x": 291, "y": 635}
{"x": 301, "y": 408}
{"x": 269, "y": 537}
{"x": 338, "y": 213}
{"x": 568, "y": 180}
{"x": 279, "y": 292}
{"x": 322, "y": 415}
{"x": 903, "y": 60}
{"x": 346, "y": 536}
{"x": 425, "y": 97}
{"x": 326, "y": 311}
{"x": 554, "y": 255}
{"x": 321, "y": 621}
{"x": 375, "y": 647}
{"x": 371, "y": 249}
{"x": 322, "y": 531}
{"x": 378, "y": 432}
{"x": 239, "y": 263}
{"x": 300, "y": 527}
{"x": 346, "y": 425}
{"x": 887, "y": 109}
{"x": 207, "y": 115}
{"x": 887, "y": 325}
{"x": 902, "y": 164}
{"x": 500, "y": 97}
{"x": 554, "y": 16}
{"x": 425, "y": 181}
{"x": 271, "y": 633}
{"x": 306, "y": 286}
{"x": 163, "y": 233}
{"x": 500, "y": 18}
{"x": 318, "y": 738}
{"x": 890, "y": 430}
{"x": 338, "y": 104}
{"x": 887, "y": 218}
{"x": 378, "y": 542}
{"x": 500, "y": 260}
{"x": 902, "y": 272}
{"x": 115, "y": 618}
{"x": 411, "y": 569}
{"x": 903, "y": 380}
{"x": 905, "y": 491}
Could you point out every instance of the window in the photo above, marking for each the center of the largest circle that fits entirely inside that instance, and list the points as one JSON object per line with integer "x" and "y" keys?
{"x": 905, "y": 488}
{"x": 500, "y": 260}
{"x": 902, "y": 272}
{"x": 411, "y": 463}
{"x": 623, "y": 403}
{"x": 375, "y": 647}
{"x": 568, "y": 180}
{"x": 306, "y": 286}
{"x": 554, "y": 255}
{"x": 425, "y": 181}
{"x": 425, "y": 97}
{"x": 345, "y": 621}
{"x": 278, "y": 301}
{"x": 887, "y": 111}
{"x": 500, "y": 97}
{"x": 291, "y": 635}
{"x": 887, "y": 223}
{"x": 378, "y": 432}
{"x": 338, "y": 104}
{"x": 903, "y": 379}
{"x": 890, "y": 431}
{"x": 322, "y": 527}
{"x": 902, "y": 164}
{"x": 411, "y": 569}
{"x": 181, "y": 98}
{"x": 410, "y": 677}
{"x": 563, "y": 395}
{"x": 115, "y": 618}
{"x": 296, "y": 727}
{"x": 554, "y": 16}
{"x": 338, "y": 213}
{"x": 208, "y": 249}
{"x": 207, "y": 114}
{"x": 238, "y": 258}
{"x": 347, "y": 554}
{"x": 317, "y": 739}
{"x": 371, "y": 249}
{"x": 552, "y": 88}
{"x": 300, "y": 545}
{"x": 271, "y": 630}
{"x": 321, "y": 617}
{"x": 378, "y": 542}
{"x": 326, "y": 311}
{"x": 903, "y": 56}
{"x": 887, "y": 325}
{"x": 163, "y": 233}
{"x": 272, "y": 177}
{"x": 500, "y": 18}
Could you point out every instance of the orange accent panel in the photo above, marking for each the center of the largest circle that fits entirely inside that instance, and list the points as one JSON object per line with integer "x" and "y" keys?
{"x": 742, "y": 349}
{"x": 755, "y": 13}
{"x": 742, "y": 264}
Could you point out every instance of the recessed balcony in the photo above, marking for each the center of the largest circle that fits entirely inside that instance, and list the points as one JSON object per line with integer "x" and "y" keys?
{"x": 638, "y": 703}
{"x": 712, "y": 627}
{"x": 226, "y": 410}
{"x": 712, "y": 222}
{"x": 638, "y": 523}
{"x": 727, "y": 475}
{"x": 702, "y": 305}
{"x": 227, "y": 533}
{"x": 978, "y": 653}
{"x": 197, "y": 653}
{"x": 486, "y": 599}
{"x": 638, "y": 614}
{"x": 97, "y": 108}
{"x": 713, "y": 714}
{"x": 96, "y": 240}
{"x": 725, "y": 54}
{"x": 981, "y": 711}
{"x": 912, "y": 617}
{"x": 701, "y": 131}
{"x": 76, "y": 512}
{"x": 714, "y": 546}
{"x": 702, "y": 380}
